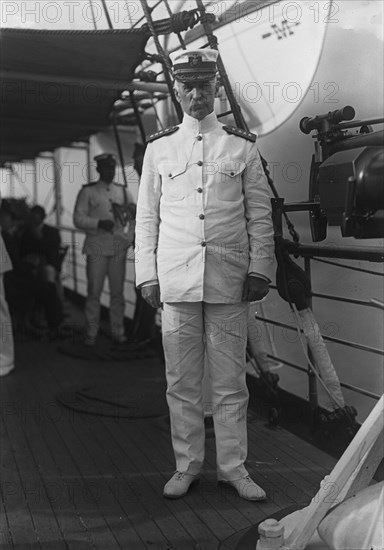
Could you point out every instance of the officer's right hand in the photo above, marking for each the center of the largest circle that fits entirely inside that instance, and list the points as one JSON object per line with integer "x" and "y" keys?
{"x": 106, "y": 225}
{"x": 151, "y": 295}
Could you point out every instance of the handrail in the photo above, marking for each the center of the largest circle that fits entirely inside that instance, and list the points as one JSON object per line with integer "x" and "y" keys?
{"x": 329, "y": 338}
{"x": 345, "y": 385}
{"x": 369, "y": 254}
{"x": 338, "y": 298}
{"x": 342, "y": 299}
{"x": 351, "y": 267}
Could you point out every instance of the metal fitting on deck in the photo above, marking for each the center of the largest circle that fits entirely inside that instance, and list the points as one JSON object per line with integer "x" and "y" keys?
{"x": 271, "y": 534}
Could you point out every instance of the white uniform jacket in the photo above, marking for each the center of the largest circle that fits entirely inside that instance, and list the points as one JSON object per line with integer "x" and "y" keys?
{"x": 94, "y": 203}
{"x": 203, "y": 215}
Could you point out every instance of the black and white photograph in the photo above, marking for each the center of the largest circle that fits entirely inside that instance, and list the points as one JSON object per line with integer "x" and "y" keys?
{"x": 191, "y": 275}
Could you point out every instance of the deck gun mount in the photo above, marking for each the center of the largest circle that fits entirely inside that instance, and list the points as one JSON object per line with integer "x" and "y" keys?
{"x": 346, "y": 184}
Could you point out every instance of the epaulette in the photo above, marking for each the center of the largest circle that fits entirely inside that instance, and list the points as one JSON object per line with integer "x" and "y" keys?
{"x": 239, "y": 132}
{"x": 162, "y": 133}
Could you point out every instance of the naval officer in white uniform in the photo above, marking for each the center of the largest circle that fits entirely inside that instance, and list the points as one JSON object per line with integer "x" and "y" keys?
{"x": 105, "y": 246}
{"x": 204, "y": 249}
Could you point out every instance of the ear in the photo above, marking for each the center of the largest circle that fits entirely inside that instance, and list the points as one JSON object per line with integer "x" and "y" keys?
{"x": 176, "y": 90}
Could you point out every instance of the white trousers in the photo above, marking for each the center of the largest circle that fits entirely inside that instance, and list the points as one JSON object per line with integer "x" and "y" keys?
{"x": 98, "y": 269}
{"x": 6, "y": 343}
{"x": 217, "y": 333}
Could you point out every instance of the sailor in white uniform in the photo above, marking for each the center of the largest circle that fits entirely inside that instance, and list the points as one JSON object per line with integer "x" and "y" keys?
{"x": 105, "y": 246}
{"x": 204, "y": 250}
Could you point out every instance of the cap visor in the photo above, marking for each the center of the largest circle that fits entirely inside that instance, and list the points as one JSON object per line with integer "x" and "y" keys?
{"x": 195, "y": 77}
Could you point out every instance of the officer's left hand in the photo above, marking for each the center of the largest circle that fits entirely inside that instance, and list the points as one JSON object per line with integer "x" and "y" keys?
{"x": 254, "y": 289}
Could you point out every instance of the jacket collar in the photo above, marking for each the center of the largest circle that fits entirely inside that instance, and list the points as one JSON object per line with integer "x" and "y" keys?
{"x": 103, "y": 183}
{"x": 200, "y": 126}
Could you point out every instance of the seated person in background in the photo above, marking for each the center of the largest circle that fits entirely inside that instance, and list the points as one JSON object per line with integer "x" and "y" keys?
{"x": 18, "y": 283}
{"x": 35, "y": 259}
{"x": 40, "y": 243}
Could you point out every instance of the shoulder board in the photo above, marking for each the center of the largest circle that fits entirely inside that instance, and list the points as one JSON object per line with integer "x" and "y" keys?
{"x": 239, "y": 132}
{"x": 90, "y": 184}
{"x": 162, "y": 133}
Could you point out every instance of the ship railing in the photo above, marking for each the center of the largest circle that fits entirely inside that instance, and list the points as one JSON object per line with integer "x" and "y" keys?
{"x": 319, "y": 253}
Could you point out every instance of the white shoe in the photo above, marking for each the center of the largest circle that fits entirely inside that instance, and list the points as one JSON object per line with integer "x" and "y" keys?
{"x": 6, "y": 370}
{"x": 247, "y": 488}
{"x": 179, "y": 484}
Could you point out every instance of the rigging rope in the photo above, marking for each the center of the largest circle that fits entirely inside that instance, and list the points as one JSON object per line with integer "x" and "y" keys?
{"x": 93, "y": 15}
{"x": 164, "y": 59}
{"x": 176, "y": 22}
{"x": 129, "y": 12}
{"x": 291, "y": 228}
{"x": 107, "y": 15}
{"x": 182, "y": 43}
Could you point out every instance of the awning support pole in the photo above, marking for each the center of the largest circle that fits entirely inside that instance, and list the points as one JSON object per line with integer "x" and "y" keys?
{"x": 137, "y": 115}
{"x": 57, "y": 186}
{"x": 120, "y": 150}
{"x": 34, "y": 191}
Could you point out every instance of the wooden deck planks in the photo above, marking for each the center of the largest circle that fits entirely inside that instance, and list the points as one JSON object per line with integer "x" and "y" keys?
{"x": 185, "y": 529}
{"x": 98, "y": 489}
{"x": 285, "y": 481}
{"x": 200, "y": 519}
{"x": 5, "y": 479}
{"x": 233, "y": 510}
{"x": 129, "y": 463}
{"x": 60, "y": 486}
{"x": 27, "y": 508}
{"x": 17, "y": 521}
{"x": 109, "y": 473}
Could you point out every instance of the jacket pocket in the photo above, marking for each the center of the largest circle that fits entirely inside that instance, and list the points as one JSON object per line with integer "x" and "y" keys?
{"x": 229, "y": 180}
{"x": 235, "y": 261}
{"x": 172, "y": 182}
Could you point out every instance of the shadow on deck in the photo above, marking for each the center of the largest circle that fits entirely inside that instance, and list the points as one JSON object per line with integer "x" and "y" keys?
{"x": 77, "y": 480}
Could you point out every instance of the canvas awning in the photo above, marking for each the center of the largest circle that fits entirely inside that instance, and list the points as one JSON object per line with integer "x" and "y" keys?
{"x": 59, "y": 86}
